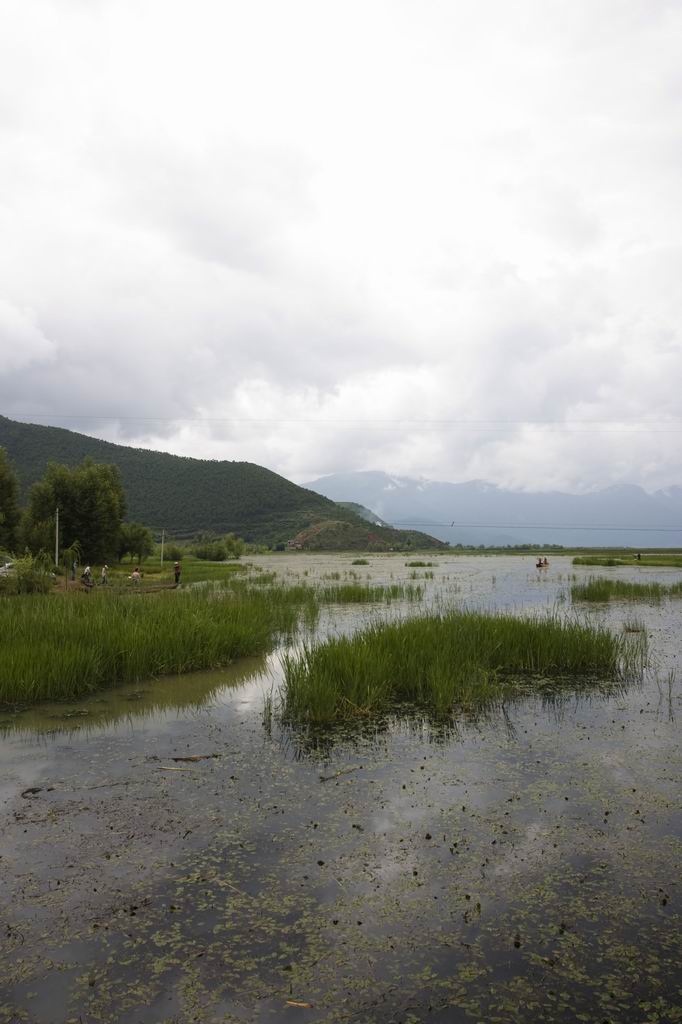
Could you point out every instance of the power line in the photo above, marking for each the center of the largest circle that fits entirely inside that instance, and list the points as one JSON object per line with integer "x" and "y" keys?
{"x": 537, "y": 526}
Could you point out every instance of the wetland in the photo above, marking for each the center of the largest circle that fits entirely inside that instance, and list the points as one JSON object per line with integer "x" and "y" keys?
{"x": 181, "y": 850}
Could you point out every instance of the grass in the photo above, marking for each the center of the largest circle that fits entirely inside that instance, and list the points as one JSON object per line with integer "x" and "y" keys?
{"x": 58, "y": 647}
{"x": 672, "y": 561}
{"x": 602, "y": 590}
{"x": 364, "y": 593}
{"x": 419, "y": 565}
{"x": 360, "y": 561}
{"x": 194, "y": 570}
{"x": 63, "y": 645}
{"x": 464, "y": 658}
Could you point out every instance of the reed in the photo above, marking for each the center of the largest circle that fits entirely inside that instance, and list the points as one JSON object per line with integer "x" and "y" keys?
{"x": 62, "y": 646}
{"x": 658, "y": 561}
{"x": 365, "y": 593}
{"x": 602, "y": 590}
{"x": 458, "y": 658}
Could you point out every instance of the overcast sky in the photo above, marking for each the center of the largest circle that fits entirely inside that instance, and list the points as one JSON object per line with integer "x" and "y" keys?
{"x": 435, "y": 237}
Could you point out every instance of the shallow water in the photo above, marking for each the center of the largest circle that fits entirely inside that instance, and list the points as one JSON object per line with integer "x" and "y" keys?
{"x": 520, "y": 866}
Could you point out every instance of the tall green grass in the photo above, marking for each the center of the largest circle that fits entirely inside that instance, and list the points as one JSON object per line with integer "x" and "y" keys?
{"x": 443, "y": 660}
{"x": 62, "y": 646}
{"x": 673, "y": 561}
{"x": 364, "y": 593}
{"x": 601, "y": 590}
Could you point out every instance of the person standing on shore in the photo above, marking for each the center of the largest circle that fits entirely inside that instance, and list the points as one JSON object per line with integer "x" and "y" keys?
{"x": 176, "y": 573}
{"x": 105, "y": 574}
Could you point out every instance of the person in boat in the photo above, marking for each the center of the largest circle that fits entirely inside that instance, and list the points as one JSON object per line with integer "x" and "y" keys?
{"x": 545, "y": 561}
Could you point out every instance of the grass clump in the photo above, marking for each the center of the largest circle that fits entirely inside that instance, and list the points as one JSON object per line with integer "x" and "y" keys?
{"x": 465, "y": 658}
{"x": 61, "y": 646}
{"x": 602, "y": 590}
{"x": 364, "y": 593}
{"x": 360, "y": 561}
{"x": 419, "y": 565}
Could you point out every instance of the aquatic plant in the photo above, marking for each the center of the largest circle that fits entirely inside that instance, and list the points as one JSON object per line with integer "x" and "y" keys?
{"x": 60, "y": 646}
{"x": 443, "y": 660}
{"x": 601, "y": 590}
{"x": 364, "y": 593}
{"x": 672, "y": 560}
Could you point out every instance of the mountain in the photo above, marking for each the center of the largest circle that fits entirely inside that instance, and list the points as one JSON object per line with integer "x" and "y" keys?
{"x": 482, "y": 513}
{"x": 188, "y": 496}
{"x": 364, "y": 513}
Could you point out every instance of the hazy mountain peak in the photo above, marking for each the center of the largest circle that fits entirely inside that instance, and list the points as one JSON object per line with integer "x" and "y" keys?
{"x": 481, "y": 512}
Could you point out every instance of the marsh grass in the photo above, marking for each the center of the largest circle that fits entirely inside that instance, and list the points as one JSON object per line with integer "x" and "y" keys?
{"x": 673, "y": 561}
{"x": 365, "y": 593}
{"x": 419, "y": 565}
{"x": 603, "y": 590}
{"x": 360, "y": 561}
{"x": 439, "y": 661}
{"x": 58, "y": 647}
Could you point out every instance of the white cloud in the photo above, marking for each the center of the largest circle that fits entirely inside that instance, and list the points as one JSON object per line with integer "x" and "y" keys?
{"x": 22, "y": 343}
{"x": 265, "y": 215}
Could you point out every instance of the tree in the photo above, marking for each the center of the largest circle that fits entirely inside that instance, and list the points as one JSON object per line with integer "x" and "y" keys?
{"x": 9, "y": 505}
{"x": 91, "y": 506}
{"x": 135, "y": 540}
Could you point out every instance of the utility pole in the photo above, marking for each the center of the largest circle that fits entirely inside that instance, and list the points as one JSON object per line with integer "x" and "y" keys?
{"x": 56, "y": 537}
{"x": 163, "y": 534}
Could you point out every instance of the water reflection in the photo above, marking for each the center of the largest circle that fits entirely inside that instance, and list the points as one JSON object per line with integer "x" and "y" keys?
{"x": 156, "y": 698}
{"x": 553, "y": 699}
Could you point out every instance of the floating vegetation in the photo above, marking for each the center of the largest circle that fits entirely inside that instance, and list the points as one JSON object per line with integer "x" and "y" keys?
{"x": 464, "y": 658}
{"x": 603, "y": 590}
{"x": 419, "y": 565}
{"x": 360, "y": 561}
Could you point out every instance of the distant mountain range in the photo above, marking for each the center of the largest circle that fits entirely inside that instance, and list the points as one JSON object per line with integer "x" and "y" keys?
{"x": 189, "y": 496}
{"x": 477, "y": 512}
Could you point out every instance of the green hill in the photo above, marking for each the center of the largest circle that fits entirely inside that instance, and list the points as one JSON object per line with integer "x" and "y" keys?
{"x": 364, "y": 513}
{"x": 187, "y": 496}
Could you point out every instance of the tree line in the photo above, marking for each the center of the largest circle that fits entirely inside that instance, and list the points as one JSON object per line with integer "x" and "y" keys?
{"x": 92, "y": 509}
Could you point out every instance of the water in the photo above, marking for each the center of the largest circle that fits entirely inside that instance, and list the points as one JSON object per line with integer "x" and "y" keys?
{"x": 520, "y": 866}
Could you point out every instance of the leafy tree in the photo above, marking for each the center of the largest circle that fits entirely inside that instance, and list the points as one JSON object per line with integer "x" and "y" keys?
{"x": 216, "y": 549}
{"x": 9, "y": 506}
{"x": 135, "y": 540}
{"x": 91, "y": 506}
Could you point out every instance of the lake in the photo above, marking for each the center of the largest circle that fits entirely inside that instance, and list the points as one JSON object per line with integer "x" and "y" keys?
{"x": 513, "y": 866}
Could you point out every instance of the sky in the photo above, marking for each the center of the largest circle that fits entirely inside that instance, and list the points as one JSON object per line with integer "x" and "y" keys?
{"x": 433, "y": 237}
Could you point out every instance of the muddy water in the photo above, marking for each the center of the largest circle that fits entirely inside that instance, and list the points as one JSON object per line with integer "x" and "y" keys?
{"x": 518, "y": 867}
